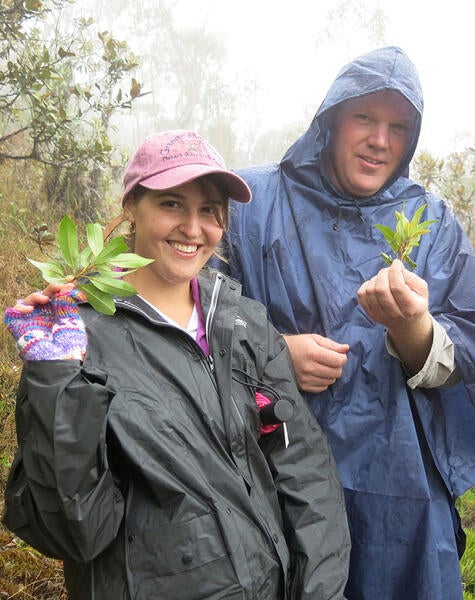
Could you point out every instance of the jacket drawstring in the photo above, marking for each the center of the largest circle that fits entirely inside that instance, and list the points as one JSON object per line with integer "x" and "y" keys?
{"x": 336, "y": 224}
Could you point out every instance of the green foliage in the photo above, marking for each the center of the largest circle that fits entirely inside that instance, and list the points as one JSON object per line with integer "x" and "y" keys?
{"x": 405, "y": 237}
{"x": 453, "y": 177}
{"x": 94, "y": 267}
{"x": 467, "y": 565}
{"x": 42, "y": 97}
{"x": 466, "y": 508}
{"x": 60, "y": 84}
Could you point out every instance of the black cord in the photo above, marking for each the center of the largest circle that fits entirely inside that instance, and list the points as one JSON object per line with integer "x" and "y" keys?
{"x": 257, "y": 383}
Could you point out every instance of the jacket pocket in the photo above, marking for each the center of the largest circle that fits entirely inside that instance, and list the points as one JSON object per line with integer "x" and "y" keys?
{"x": 188, "y": 561}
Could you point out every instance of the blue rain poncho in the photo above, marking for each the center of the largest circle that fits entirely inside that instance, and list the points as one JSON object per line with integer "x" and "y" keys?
{"x": 303, "y": 249}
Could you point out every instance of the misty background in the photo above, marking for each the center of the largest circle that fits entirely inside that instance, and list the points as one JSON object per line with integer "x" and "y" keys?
{"x": 250, "y": 75}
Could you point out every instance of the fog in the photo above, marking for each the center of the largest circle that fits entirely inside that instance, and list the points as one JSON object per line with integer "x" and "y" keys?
{"x": 279, "y": 59}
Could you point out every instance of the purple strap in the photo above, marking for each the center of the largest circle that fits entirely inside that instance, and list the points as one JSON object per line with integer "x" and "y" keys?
{"x": 201, "y": 332}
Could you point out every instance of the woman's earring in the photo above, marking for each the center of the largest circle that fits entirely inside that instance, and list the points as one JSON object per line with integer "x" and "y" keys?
{"x": 132, "y": 227}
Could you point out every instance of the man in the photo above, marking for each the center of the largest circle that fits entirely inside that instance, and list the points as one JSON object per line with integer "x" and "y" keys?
{"x": 385, "y": 354}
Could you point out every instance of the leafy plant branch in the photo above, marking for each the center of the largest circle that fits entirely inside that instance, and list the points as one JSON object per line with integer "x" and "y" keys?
{"x": 97, "y": 269}
{"x": 405, "y": 237}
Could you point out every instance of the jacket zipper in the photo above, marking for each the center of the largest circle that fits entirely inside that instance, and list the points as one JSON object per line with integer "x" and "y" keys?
{"x": 209, "y": 318}
{"x": 241, "y": 419}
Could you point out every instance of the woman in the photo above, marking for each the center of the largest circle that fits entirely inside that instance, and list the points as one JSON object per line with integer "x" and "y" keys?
{"x": 142, "y": 461}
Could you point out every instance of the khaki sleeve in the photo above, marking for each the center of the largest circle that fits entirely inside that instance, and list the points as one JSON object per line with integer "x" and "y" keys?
{"x": 439, "y": 370}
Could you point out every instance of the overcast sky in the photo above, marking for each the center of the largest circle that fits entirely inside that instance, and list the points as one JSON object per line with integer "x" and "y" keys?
{"x": 277, "y": 42}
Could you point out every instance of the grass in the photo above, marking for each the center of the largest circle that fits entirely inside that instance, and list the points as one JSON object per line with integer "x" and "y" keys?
{"x": 27, "y": 574}
{"x": 24, "y": 573}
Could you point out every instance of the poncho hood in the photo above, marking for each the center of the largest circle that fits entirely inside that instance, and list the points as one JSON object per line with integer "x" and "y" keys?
{"x": 383, "y": 69}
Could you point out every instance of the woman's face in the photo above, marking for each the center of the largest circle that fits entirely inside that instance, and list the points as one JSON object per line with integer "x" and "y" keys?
{"x": 177, "y": 227}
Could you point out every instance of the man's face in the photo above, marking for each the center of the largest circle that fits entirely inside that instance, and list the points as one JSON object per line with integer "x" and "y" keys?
{"x": 369, "y": 138}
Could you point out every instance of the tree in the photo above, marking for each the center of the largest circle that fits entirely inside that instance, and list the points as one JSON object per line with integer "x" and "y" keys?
{"x": 183, "y": 68}
{"x": 453, "y": 177}
{"x": 59, "y": 85}
{"x": 351, "y": 23}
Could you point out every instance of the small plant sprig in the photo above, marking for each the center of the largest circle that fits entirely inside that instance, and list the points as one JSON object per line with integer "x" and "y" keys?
{"x": 97, "y": 269}
{"x": 405, "y": 237}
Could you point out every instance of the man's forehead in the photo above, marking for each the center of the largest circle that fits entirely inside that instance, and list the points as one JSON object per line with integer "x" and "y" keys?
{"x": 382, "y": 100}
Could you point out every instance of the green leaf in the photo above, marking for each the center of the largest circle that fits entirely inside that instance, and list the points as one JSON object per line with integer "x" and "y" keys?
{"x": 68, "y": 241}
{"x": 114, "y": 248}
{"x": 410, "y": 262}
{"x": 85, "y": 258}
{"x": 117, "y": 287}
{"x": 94, "y": 238}
{"x": 51, "y": 272}
{"x": 49, "y": 266}
{"x": 108, "y": 272}
{"x": 100, "y": 301}
{"x": 426, "y": 224}
{"x": 389, "y": 236}
{"x": 417, "y": 215}
{"x": 130, "y": 260}
{"x": 386, "y": 231}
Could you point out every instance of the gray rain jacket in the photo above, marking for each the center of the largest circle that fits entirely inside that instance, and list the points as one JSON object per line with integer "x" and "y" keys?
{"x": 143, "y": 469}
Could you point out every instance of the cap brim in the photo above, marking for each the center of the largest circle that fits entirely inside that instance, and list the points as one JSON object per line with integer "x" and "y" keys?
{"x": 238, "y": 189}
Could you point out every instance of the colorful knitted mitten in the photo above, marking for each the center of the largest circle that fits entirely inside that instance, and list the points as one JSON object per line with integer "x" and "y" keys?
{"x": 53, "y": 331}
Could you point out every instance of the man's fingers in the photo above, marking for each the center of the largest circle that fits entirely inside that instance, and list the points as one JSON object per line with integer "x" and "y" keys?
{"x": 331, "y": 345}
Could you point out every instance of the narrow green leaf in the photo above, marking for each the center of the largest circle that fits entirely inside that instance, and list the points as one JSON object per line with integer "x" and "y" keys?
{"x": 54, "y": 268}
{"x": 387, "y": 259}
{"x": 386, "y": 231}
{"x": 85, "y": 258}
{"x": 114, "y": 248}
{"x": 117, "y": 287}
{"x": 110, "y": 272}
{"x": 100, "y": 301}
{"x": 130, "y": 261}
{"x": 68, "y": 241}
{"x": 427, "y": 223}
{"x": 94, "y": 238}
{"x": 51, "y": 278}
{"x": 417, "y": 215}
{"x": 417, "y": 233}
{"x": 405, "y": 224}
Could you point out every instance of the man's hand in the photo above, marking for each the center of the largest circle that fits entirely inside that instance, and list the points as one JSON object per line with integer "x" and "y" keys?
{"x": 318, "y": 361}
{"x": 399, "y": 300}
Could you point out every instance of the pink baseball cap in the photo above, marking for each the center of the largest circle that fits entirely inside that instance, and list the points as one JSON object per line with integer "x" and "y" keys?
{"x": 165, "y": 160}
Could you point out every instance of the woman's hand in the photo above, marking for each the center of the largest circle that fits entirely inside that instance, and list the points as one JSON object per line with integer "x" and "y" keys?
{"x": 47, "y": 326}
